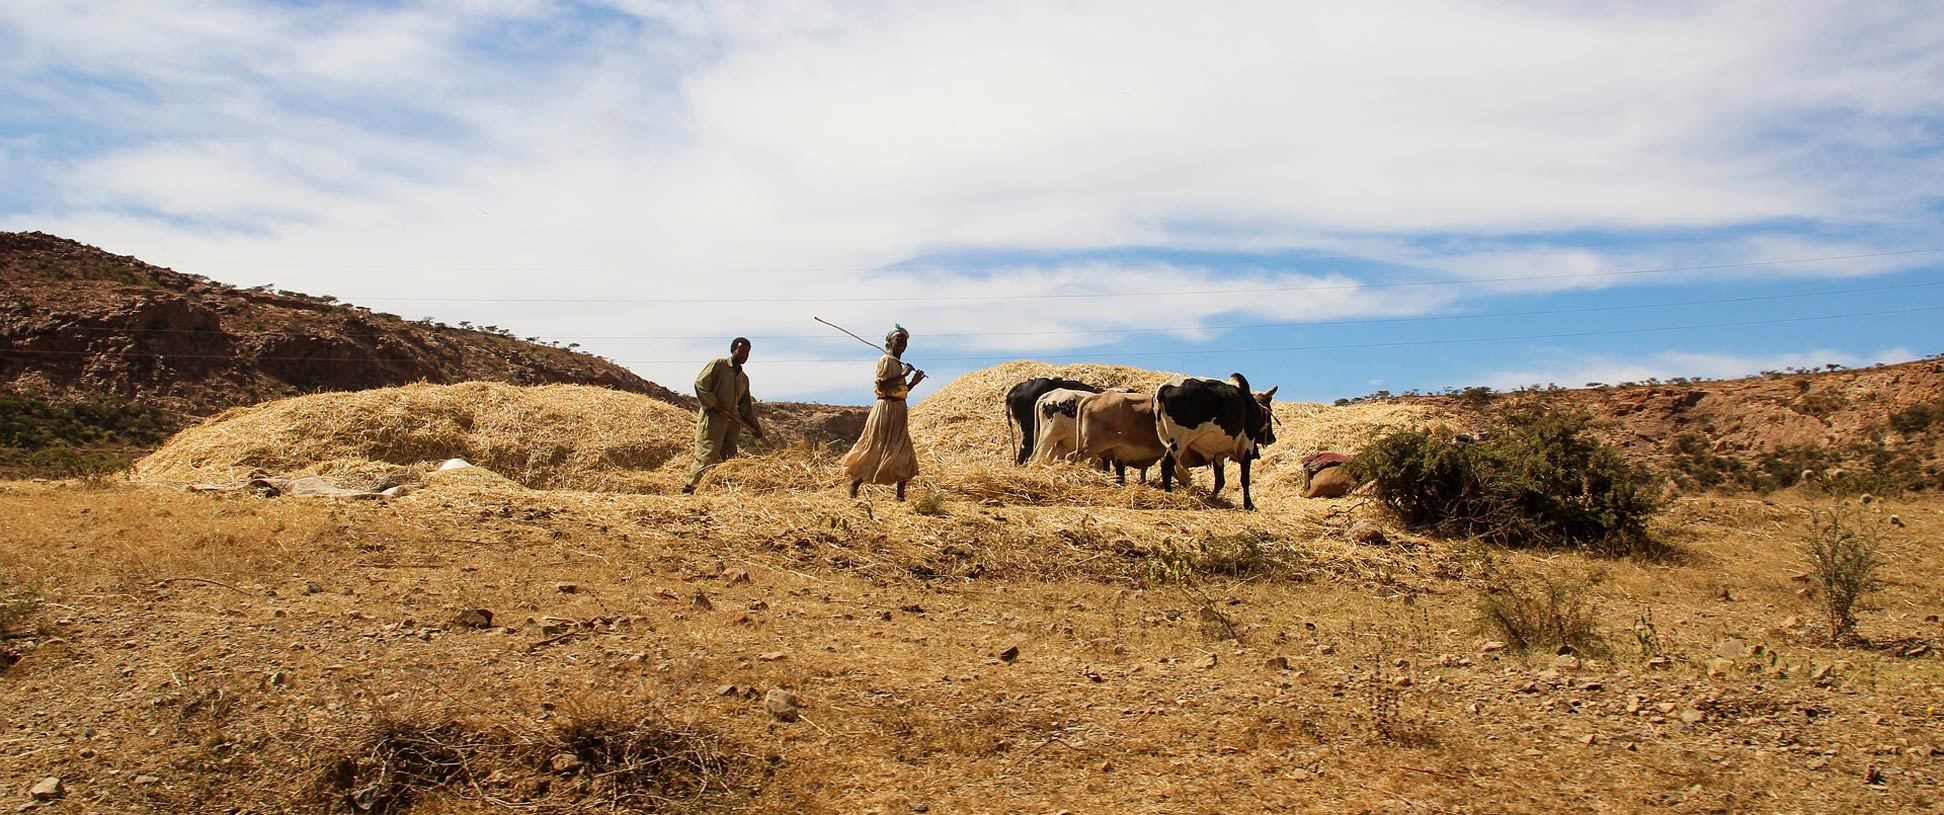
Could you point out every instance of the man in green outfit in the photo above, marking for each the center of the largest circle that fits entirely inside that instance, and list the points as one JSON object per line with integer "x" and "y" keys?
{"x": 726, "y": 408}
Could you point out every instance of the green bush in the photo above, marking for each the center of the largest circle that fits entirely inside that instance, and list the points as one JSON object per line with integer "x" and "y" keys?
{"x": 1540, "y": 479}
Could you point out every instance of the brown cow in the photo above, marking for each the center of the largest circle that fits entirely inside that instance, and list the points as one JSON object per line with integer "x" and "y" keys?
{"x": 1119, "y": 427}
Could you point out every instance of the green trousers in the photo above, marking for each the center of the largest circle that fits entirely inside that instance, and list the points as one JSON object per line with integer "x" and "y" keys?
{"x": 715, "y": 440}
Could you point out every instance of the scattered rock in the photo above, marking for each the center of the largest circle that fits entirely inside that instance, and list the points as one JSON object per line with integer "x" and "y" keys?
{"x": 1367, "y": 533}
{"x": 1658, "y": 663}
{"x": 474, "y": 618}
{"x": 567, "y": 588}
{"x": 1009, "y": 654}
{"x": 313, "y": 587}
{"x": 1693, "y": 716}
{"x": 1567, "y": 662}
{"x": 701, "y": 601}
{"x": 564, "y": 763}
{"x": 1731, "y": 648}
{"x": 48, "y": 789}
{"x": 772, "y": 656}
{"x": 146, "y": 780}
{"x": 1278, "y": 663}
{"x": 783, "y": 704}
{"x": 736, "y": 575}
{"x": 1917, "y": 650}
{"x": 1492, "y": 647}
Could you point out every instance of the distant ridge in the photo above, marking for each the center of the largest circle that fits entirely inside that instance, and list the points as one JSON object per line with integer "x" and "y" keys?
{"x": 79, "y": 321}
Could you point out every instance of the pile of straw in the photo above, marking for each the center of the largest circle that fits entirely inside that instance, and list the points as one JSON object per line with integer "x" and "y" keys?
{"x": 553, "y": 436}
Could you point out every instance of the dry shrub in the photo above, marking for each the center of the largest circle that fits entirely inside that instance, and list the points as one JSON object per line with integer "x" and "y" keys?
{"x": 554, "y": 436}
{"x": 587, "y": 762}
{"x": 1533, "y": 612}
{"x": 1844, "y": 546}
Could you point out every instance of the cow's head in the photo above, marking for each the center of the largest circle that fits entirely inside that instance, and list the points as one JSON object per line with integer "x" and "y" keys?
{"x": 1262, "y": 425}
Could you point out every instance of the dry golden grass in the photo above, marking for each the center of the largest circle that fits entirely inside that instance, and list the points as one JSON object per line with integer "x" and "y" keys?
{"x": 1173, "y": 654}
{"x": 563, "y": 436}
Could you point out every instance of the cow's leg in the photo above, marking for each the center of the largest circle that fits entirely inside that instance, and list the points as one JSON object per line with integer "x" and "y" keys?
{"x": 901, "y": 490}
{"x": 1120, "y": 472}
{"x": 1247, "y": 502}
{"x": 1026, "y": 431}
{"x": 1220, "y": 468}
{"x": 1167, "y": 471}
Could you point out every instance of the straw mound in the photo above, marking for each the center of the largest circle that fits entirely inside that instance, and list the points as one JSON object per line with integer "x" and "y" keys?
{"x": 554, "y": 436}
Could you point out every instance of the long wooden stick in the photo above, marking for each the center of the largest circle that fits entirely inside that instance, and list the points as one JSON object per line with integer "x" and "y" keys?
{"x": 908, "y": 366}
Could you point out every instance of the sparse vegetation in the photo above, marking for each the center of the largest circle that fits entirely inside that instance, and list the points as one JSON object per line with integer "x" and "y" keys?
{"x": 1844, "y": 546}
{"x": 1533, "y": 612}
{"x": 1540, "y": 479}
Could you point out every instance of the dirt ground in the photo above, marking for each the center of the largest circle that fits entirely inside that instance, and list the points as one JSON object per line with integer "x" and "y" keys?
{"x": 228, "y": 653}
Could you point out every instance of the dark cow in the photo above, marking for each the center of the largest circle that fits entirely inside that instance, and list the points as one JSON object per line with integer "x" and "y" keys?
{"x": 1021, "y": 400}
{"x": 1211, "y": 421}
{"x": 1120, "y": 427}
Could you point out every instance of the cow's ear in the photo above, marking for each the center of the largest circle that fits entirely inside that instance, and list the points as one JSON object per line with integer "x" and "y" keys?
{"x": 1270, "y": 393}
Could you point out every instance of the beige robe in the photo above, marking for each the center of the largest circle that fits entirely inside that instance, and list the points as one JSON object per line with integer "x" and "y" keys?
{"x": 883, "y": 454}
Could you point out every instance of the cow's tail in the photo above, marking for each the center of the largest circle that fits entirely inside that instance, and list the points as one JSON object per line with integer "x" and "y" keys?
{"x": 1243, "y": 383}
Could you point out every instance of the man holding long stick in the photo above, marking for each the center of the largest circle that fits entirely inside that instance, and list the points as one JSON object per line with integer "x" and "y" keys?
{"x": 727, "y": 407}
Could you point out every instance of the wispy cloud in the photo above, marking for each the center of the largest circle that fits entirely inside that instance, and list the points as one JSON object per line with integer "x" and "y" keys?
{"x": 512, "y": 149}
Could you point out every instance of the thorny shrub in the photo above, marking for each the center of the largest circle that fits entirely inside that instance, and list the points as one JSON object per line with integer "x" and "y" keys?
{"x": 1532, "y": 612}
{"x": 1539, "y": 479}
{"x": 1844, "y": 547}
{"x": 598, "y": 761}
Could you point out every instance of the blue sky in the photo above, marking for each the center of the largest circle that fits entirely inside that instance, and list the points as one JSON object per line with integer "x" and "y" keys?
{"x": 1334, "y": 199}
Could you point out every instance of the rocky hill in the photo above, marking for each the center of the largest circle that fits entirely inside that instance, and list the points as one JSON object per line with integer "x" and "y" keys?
{"x": 78, "y": 320}
{"x": 103, "y": 352}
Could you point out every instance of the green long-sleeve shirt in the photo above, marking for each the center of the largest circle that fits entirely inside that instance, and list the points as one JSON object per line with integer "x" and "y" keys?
{"x": 722, "y": 384}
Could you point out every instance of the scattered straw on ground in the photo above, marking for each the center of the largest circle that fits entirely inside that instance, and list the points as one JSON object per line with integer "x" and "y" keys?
{"x": 561, "y": 436}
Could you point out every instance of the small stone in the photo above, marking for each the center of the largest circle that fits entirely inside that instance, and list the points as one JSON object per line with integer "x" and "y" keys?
{"x": 1731, "y": 648}
{"x": 564, "y": 763}
{"x": 313, "y": 587}
{"x": 1659, "y": 662}
{"x": 1009, "y": 654}
{"x": 1491, "y": 647}
{"x": 1820, "y": 673}
{"x": 1300, "y": 774}
{"x": 783, "y": 704}
{"x": 1719, "y": 667}
{"x": 728, "y": 690}
{"x": 567, "y": 588}
{"x": 1693, "y": 716}
{"x": 146, "y": 780}
{"x": 1401, "y": 682}
{"x": 474, "y": 618}
{"x": 1590, "y": 738}
{"x": 702, "y": 601}
{"x": 773, "y": 656}
{"x": 1792, "y": 622}
{"x": 1367, "y": 533}
{"x": 736, "y": 575}
{"x": 1917, "y": 650}
{"x": 1818, "y": 763}
{"x": 48, "y": 789}
{"x": 1567, "y": 662}
{"x": 279, "y": 679}
{"x": 1278, "y": 663}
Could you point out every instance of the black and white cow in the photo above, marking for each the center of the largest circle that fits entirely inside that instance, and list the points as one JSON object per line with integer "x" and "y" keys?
{"x": 1020, "y": 402}
{"x": 1210, "y": 421}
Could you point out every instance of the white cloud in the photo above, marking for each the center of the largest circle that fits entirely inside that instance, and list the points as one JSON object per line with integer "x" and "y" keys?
{"x": 513, "y": 150}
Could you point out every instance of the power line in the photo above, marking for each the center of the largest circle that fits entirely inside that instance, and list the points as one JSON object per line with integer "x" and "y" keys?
{"x": 1111, "y": 355}
{"x": 1091, "y": 295}
{"x": 1239, "y": 326}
